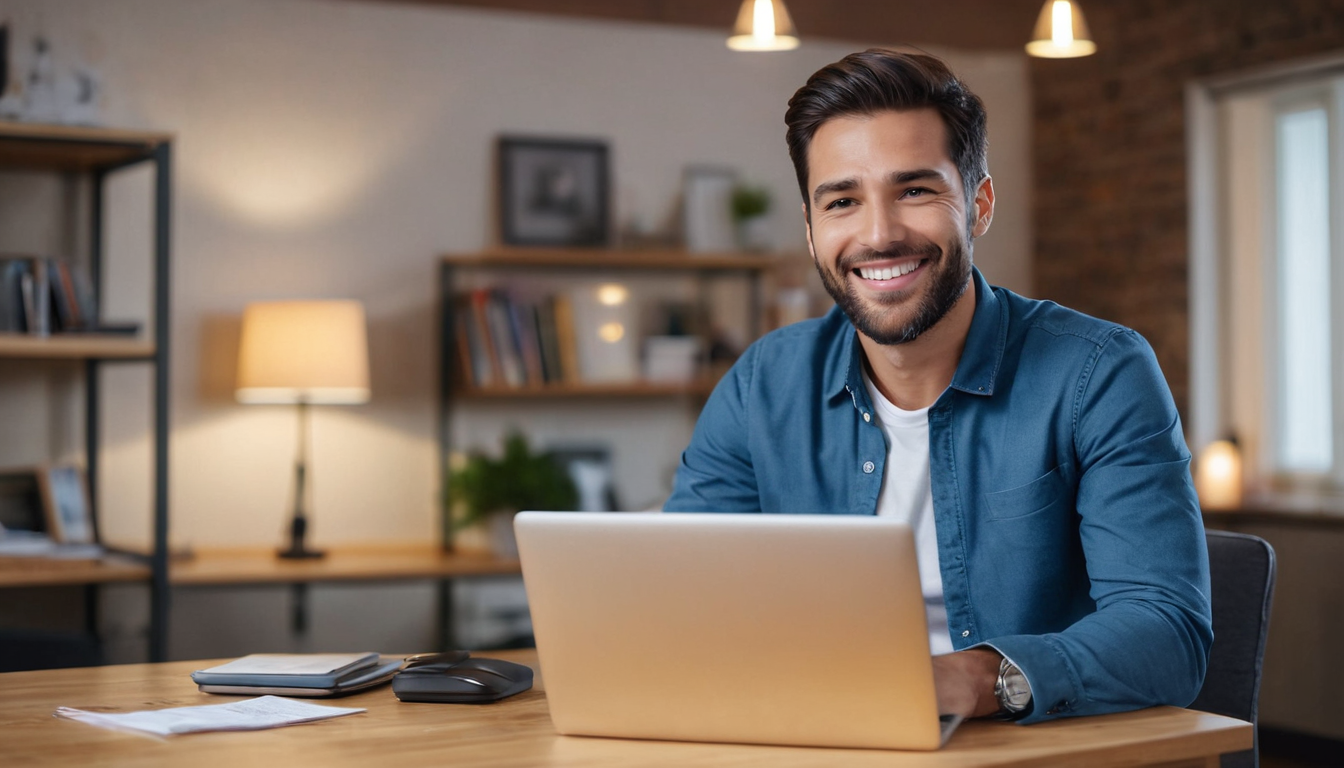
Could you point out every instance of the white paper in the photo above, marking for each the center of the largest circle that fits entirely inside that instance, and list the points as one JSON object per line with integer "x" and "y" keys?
{"x": 246, "y": 715}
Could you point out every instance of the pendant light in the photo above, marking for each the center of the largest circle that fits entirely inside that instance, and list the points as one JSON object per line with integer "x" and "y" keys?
{"x": 763, "y": 25}
{"x": 1061, "y": 32}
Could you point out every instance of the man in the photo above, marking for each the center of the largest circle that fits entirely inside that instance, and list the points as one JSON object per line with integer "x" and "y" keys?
{"x": 1036, "y": 451}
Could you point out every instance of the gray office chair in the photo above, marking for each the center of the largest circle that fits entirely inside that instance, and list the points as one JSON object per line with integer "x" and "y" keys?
{"x": 1241, "y": 571}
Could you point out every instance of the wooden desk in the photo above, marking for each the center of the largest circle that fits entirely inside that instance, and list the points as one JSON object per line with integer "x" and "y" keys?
{"x": 518, "y": 732}
{"x": 408, "y": 562}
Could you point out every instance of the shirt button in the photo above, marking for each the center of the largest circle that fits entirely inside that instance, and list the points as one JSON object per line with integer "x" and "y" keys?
{"x": 867, "y": 416}
{"x": 966, "y": 633}
{"x": 868, "y": 467}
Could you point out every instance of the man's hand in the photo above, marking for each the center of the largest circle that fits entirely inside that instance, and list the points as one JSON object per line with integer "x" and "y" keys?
{"x": 965, "y": 682}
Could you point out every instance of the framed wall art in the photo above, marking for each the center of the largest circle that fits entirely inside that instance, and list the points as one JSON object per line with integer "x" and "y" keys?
{"x": 553, "y": 192}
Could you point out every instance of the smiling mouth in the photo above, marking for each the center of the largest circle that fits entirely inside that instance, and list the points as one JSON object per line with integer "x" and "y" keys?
{"x": 890, "y": 271}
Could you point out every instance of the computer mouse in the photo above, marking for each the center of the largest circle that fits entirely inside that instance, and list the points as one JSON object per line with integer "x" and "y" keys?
{"x": 471, "y": 681}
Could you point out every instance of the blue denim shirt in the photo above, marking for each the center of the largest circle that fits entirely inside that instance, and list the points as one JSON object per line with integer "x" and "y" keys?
{"x": 1069, "y": 534}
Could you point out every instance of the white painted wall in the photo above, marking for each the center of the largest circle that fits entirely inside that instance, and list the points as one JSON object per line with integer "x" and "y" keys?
{"x": 331, "y": 148}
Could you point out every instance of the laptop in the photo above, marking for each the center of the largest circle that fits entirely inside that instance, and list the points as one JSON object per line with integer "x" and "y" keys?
{"x": 805, "y": 630}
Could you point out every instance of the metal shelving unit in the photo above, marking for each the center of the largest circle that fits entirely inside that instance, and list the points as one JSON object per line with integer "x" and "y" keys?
{"x": 99, "y": 153}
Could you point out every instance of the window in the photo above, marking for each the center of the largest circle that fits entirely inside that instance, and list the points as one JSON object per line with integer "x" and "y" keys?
{"x": 1267, "y": 261}
{"x": 1302, "y": 297}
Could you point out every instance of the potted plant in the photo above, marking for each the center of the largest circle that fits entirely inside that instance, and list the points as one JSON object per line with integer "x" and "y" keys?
{"x": 487, "y": 492}
{"x": 750, "y": 205}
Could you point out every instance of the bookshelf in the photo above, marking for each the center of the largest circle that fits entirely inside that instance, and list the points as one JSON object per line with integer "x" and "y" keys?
{"x": 97, "y": 154}
{"x": 599, "y": 264}
{"x": 507, "y": 268}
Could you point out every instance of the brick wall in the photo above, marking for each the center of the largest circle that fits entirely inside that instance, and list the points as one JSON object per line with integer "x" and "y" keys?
{"x": 1109, "y": 143}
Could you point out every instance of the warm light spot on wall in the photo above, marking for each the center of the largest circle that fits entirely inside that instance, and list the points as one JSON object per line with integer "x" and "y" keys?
{"x": 612, "y": 294}
{"x": 611, "y": 332}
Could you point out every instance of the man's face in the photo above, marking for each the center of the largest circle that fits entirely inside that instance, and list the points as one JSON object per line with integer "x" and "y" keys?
{"x": 890, "y": 230}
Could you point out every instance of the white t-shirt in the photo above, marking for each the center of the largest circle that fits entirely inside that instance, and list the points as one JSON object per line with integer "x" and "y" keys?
{"x": 907, "y": 494}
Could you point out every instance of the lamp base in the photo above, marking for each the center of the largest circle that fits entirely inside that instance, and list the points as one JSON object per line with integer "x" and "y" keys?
{"x": 300, "y": 552}
{"x": 298, "y": 531}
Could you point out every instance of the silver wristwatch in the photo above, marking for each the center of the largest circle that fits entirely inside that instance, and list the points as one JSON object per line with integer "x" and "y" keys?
{"x": 1012, "y": 691}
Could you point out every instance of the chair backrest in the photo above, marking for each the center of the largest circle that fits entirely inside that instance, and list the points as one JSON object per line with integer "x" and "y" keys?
{"x": 1241, "y": 575}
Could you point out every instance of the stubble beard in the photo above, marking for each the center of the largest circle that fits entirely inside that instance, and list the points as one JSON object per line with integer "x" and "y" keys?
{"x": 950, "y": 274}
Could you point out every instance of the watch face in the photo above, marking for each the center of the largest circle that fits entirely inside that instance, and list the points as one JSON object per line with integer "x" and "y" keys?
{"x": 1016, "y": 690}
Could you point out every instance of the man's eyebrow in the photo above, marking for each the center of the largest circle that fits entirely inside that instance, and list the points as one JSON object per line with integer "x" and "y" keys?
{"x": 829, "y": 187}
{"x": 905, "y": 177}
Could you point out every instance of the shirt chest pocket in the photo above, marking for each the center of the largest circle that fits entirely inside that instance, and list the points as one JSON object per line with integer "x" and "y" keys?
{"x": 1037, "y": 496}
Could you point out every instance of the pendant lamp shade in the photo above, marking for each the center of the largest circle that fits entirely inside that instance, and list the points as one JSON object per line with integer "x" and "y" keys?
{"x": 763, "y": 25}
{"x": 1061, "y": 32}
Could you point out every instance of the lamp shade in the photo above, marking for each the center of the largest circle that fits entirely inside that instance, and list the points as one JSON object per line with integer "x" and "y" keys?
{"x": 1061, "y": 32}
{"x": 303, "y": 352}
{"x": 763, "y": 25}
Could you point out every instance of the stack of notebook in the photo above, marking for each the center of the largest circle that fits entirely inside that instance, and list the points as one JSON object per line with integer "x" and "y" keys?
{"x": 312, "y": 675}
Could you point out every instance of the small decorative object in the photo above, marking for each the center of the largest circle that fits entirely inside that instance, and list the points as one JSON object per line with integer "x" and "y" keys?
{"x": 65, "y": 500}
{"x": 1218, "y": 478}
{"x": 604, "y": 333}
{"x": 486, "y": 490}
{"x": 553, "y": 192}
{"x": 40, "y": 101}
{"x": 708, "y": 210}
{"x": 301, "y": 353}
{"x": 589, "y": 466}
{"x": 671, "y": 359}
{"x": 750, "y": 206}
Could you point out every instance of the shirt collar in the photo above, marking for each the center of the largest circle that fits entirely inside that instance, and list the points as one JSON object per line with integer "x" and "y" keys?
{"x": 980, "y": 359}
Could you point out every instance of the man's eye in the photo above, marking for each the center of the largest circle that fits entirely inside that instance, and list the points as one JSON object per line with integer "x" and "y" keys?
{"x": 918, "y": 192}
{"x": 843, "y": 202}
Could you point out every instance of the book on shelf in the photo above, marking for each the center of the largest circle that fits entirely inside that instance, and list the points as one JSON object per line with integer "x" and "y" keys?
{"x": 567, "y": 346}
{"x": 297, "y": 674}
{"x": 505, "y": 335}
{"x": 42, "y": 295}
{"x": 507, "y": 340}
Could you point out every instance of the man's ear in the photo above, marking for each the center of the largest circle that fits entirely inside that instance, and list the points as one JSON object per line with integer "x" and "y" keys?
{"x": 984, "y": 207}
{"x": 807, "y": 222}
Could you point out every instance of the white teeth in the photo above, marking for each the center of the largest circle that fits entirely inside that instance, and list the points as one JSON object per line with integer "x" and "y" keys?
{"x": 887, "y": 273}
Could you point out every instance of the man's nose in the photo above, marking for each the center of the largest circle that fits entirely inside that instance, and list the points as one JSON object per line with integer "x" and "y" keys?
{"x": 882, "y": 227}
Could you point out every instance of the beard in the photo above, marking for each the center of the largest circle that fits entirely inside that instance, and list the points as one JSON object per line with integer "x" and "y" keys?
{"x": 950, "y": 273}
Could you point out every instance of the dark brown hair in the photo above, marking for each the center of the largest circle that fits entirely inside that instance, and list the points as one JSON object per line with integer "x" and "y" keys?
{"x": 880, "y": 79}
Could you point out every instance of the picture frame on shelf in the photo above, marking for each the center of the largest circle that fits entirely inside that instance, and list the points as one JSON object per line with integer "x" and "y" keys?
{"x": 553, "y": 192}
{"x": 707, "y": 209}
{"x": 21, "y": 500}
{"x": 65, "y": 503}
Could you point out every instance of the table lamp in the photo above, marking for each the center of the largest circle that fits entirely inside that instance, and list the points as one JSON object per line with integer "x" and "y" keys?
{"x": 1218, "y": 475}
{"x": 302, "y": 353}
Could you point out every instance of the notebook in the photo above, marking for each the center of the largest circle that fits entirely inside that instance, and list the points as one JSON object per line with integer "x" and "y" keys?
{"x": 804, "y": 630}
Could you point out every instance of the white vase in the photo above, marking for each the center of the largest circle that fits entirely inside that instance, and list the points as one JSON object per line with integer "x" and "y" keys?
{"x": 754, "y": 234}
{"x": 502, "y": 541}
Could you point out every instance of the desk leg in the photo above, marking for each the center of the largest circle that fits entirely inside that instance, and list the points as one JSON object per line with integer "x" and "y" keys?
{"x": 299, "y": 607}
{"x": 447, "y": 635}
